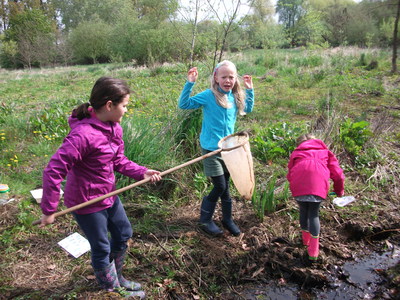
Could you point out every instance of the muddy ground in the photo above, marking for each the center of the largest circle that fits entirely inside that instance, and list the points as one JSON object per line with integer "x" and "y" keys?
{"x": 178, "y": 261}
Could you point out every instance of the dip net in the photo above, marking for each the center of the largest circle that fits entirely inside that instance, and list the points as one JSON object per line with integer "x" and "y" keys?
{"x": 235, "y": 151}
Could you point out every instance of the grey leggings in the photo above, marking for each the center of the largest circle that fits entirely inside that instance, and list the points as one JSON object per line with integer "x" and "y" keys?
{"x": 309, "y": 217}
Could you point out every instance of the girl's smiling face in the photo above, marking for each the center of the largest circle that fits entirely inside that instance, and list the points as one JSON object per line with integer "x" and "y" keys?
{"x": 117, "y": 111}
{"x": 225, "y": 76}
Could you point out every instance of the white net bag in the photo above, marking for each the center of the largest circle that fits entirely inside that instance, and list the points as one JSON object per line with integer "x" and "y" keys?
{"x": 239, "y": 162}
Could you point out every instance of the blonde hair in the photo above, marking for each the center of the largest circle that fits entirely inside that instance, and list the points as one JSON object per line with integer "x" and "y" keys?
{"x": 237, "y": 90}
{"x": 305, "y": 137}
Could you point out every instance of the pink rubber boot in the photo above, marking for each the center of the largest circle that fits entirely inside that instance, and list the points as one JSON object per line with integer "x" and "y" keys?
{"x": 305, "y": 236}
{"x": 313, "y": 248}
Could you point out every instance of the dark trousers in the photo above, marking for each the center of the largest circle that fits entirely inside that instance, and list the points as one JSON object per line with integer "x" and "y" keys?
{"x": 96, "y": 227}
{"x": 220, "y": 189}
{"x": 309, "y": 217}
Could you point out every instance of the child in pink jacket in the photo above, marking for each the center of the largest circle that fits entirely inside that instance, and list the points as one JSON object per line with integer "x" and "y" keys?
{"x": 89, "y": 156}
{"x": 311, "y": 165}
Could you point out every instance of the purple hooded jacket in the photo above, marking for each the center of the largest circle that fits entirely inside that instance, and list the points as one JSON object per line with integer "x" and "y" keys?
{"x": 311, "y": 165}
{"x": 88, "y": 157}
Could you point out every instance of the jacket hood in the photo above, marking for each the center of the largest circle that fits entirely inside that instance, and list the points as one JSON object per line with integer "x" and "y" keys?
{"x": 74, "y": 122}
{"x": 312, "y": 144}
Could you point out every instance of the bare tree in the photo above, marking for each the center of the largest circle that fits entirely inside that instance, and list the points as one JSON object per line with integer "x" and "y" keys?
{"x": 194, "y": 31}
{"x": 192, "y": 13}
{"x": 226, "y": 19}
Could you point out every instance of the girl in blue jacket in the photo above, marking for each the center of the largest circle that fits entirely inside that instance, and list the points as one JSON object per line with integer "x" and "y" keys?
{"x": 221, "y": 104}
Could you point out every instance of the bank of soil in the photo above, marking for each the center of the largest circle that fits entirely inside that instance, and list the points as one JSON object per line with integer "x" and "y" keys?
{"x": 272, "y": 250}
{"x": 180, "y": 262}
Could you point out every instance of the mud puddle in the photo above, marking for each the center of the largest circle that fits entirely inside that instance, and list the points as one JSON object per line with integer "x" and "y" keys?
{"x": 360, "y": 279}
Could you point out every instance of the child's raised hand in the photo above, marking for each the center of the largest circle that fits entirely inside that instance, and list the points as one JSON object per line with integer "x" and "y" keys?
{"x": 248, "y": 82}
{"x": 192, "y": 74}
{"x": 153, "y": 175}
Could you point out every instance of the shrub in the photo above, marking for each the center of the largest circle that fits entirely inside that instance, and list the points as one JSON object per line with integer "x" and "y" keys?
{"x": 276, "y": 142}
{"x": 354, "y": 136}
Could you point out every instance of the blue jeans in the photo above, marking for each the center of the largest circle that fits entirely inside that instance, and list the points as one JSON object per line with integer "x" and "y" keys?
{"x": 96, "y": 227}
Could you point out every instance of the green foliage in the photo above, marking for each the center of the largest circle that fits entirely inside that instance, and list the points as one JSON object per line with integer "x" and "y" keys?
{"x": 33, "y": 22}
{"x": 307, "y": 79}
{"x": 354, "y": 136}
{"x": 89, "y": 41}
{"x": 8, "y": 54}
{"x": 200, "y": 182}
{"x": 367, "y": 159}
{"x": 386, "y": 32}
{"x": 150, "y": 32}
{"x": 132, "y": 40}
{"x": 147, "y": 141}
{"x": 51, "y": 123}
{"x": 188, "y": 132}
{"x": 34, "y": 34}
{"x": 270, "y": 60}
{"x": 276, "y": 142}
{"x": 306, "y": 61}
{"x": 311, "y": 29}
{"x": 265, "y": 200}
{"x": 74, "y": 13}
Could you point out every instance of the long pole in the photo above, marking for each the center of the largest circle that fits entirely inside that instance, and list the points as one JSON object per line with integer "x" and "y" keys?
{"x": 131, "y": 186}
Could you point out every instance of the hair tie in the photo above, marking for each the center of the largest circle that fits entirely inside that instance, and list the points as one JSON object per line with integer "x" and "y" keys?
{"x": 216, "y": 68}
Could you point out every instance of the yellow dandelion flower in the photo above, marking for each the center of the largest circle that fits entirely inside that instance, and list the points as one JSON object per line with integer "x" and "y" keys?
{"x": 8, "y": 165}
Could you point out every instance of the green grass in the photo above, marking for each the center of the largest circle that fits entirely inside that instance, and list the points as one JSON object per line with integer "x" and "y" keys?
{"x": 315, "y": 91}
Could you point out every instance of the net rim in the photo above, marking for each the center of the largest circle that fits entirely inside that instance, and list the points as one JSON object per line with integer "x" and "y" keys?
{"x": 241, "y": 133}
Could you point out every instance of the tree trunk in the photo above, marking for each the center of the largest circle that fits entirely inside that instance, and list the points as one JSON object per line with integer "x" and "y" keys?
{"x": 395, "y": 31}
{"x": 227, "y": 29}
{"x": 194, "y": 33}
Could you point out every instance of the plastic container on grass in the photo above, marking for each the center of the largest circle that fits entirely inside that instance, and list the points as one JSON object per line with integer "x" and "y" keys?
{"x": 4, "y": 190}
{"x": 343, "y": 201}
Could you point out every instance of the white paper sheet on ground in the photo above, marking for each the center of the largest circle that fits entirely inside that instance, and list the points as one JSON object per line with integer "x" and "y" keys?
{"x": 75, "y": 244}
{"x": 239, "y": 163}
{"x": 343, "y": 201}
{"x": 37, "y": 194}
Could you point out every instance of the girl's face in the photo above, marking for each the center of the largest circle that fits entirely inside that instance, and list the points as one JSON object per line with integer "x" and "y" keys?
{"x": 117, "y": 111}
{"x": 225, "y": 77}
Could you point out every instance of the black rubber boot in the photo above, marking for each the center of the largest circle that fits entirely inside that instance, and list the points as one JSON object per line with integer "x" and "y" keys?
{"x": 206, "y": 223}
{"x": 119, "y": 258}
{"x": 227, "y": 221}
{"x": 108, "y": 280}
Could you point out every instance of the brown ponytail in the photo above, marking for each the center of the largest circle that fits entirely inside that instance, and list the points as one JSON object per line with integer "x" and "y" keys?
{"x": 82, "y": 111}
{"x": 105, "y": 89}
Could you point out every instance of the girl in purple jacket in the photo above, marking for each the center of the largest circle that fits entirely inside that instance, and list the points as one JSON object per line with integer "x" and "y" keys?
{"x": 90, "y": 154}
{"x": 311, "y": 165}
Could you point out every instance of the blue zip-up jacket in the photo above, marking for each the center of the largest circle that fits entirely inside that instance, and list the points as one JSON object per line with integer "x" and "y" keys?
{"x": 218, "y": 122}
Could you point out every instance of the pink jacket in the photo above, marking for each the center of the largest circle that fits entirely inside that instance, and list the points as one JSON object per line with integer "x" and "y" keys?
{"x": 89, "y": 155}
{"x": 311, "y": 165}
